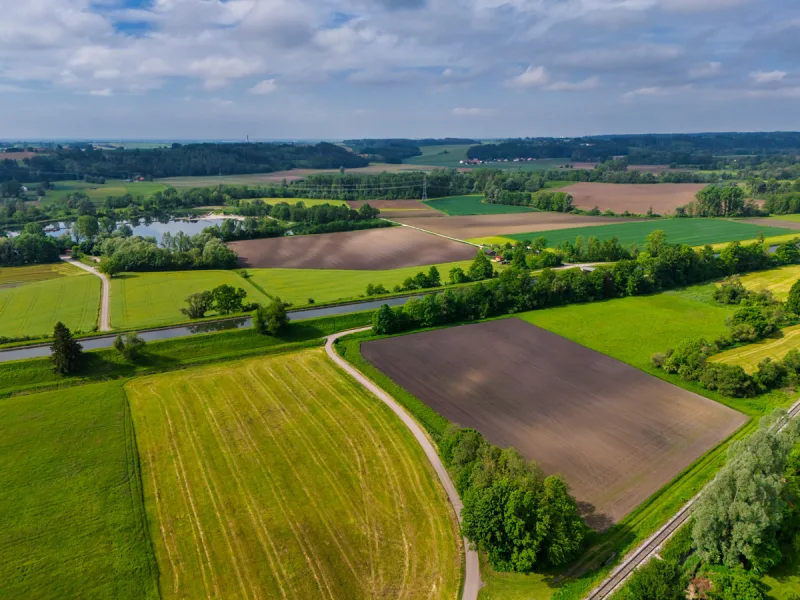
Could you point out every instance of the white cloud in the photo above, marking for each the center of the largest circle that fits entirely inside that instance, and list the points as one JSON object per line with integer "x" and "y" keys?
{"x": 530, "y": 77}
{"x": 590, "y": 83}
{"x": 645, "y": 91}
{"x": 104, "y": 92}
{"x": 264, "y": 87}
{"x": 705, "y": 70}
{"x": 768, "y": 76}
{"x": 218, "y": 71}
{"x": 472, "y": 112}
{"x": 698, "y": 6}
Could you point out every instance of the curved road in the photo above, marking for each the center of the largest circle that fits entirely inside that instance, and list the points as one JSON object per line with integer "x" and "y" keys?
{"x": 105, "y": 306}
{"x": 650, "y": 547}
{"x": 472, "y": 577}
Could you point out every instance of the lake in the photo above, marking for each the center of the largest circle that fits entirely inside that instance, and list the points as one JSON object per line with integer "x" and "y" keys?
{"x": 143, "y": 227}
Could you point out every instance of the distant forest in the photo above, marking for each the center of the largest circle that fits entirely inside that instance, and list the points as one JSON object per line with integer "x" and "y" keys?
{"x": 178, "y": 161}
{"x": 699, "y": 150}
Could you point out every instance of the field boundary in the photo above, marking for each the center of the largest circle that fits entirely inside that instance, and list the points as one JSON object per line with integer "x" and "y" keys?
{"x": 441, "y": 235}
{"x": 472, "y": 579}
{"x": 105, "y": 292}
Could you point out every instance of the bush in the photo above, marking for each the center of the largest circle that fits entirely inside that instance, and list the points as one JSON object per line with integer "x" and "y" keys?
{"x": 657, "y": 580}
{"x": 272, "y": 319}
{"x": 130, "y": 345}
{"x": 199, "y": 304}
{"x": 736, "y": 585}
{"x": 729, "y": 380}
{"x": 376, "y": 290}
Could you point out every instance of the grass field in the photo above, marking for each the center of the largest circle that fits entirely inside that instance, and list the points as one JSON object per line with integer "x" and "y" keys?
{"x": 493, "y": 240}
{"x": 140, "y": 300}
{"x": 279, "y": 477}
{"x": 694, "y": 232}
{"x": 71, "y": 512}
{"x": 33, "y": 299}
{"x": 778, "y": 281}
{"x": 98, "y": 192}
{"x": 440, "y": 156}
{"x": 458, "y": 206}
{"x": 774, "y": 347}
{"x": 769, "y": 240}
{"x": 307, "y": 201}
{"x": 329, "y": 285}
{"x": 794, "y": 218}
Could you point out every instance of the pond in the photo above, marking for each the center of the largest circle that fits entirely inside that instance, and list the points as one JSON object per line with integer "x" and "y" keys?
{"x": 143, "y": 227}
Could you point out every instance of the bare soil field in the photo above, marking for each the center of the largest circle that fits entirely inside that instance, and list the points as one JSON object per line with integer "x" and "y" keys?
{"x": 616, "y": 434}
{"x": 636, "y": 198}
{"x": 478, "y": 226}
{"x": 398, "y": 208}
{"x": 792, "y": 225}
{"x": 17, "y": 155}
{"x": 388, "y": 248}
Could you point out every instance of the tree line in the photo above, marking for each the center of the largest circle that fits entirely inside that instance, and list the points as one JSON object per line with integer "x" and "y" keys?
{"x": 178, "y": 161}
{"x": 661, "y": 267}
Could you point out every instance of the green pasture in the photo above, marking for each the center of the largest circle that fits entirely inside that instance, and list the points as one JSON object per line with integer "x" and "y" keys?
{"x": 71, "y": 509}
{"x": 283, "y": 461}
{"x": 775, "y": 347}
{"x": 141, "y": 300}
{"x": 694, "y": 232}
{"x": 33, "y": 299}
{"x": 330, "y": 285}
{"x": 793, "y": 218}
{"x": 456, "y": 206}
{"x": 440, "y": 156}
{"x": 778, "y": 281}
{"x": 99, "y": 192}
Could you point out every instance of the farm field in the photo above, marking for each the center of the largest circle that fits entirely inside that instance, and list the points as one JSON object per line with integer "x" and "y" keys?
{"x": 398, "y": 208}
{"x": 456, "y": 206}
{"x": 778, "y": 281}
{"x": 280, "y": 477}
{"x": 70, "y": 508}
{"x": 369, "y": 249}
{"x": 479, "y": 226}
{"x": 33, "y": 299}
{"x": 141, "y": 300}
{"x": 694, "y": 232}
{"x": 329, "y": 285}
{"x": 792, "y": 218}
{"x": 307, "y": 201}
{"x": 441, "y": 156}
{"x": 98, "y": 192}
{"x": 774, "y": 347}
{"x": 615, "y": 433}
{"x": 636, "y": 198}
{"x": 793, "y": 224}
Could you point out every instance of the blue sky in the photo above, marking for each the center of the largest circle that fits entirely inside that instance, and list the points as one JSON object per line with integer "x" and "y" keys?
{"x": 183, "y": 69}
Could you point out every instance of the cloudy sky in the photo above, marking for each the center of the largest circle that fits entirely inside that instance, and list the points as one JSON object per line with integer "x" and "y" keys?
{"x": 203, "y": 69}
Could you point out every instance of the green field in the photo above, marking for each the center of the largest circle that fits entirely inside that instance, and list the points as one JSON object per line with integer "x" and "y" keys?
{"x": 98, "y": 192}
{"x": 778, "y": 281}
{"x": 306, "y": 201}
{"x": 280, "y": 477}
{"x": 456, "y": 206}
{"x": 440, "y": 156}
{"x": 33, "y": 299}
{"x": 140, "y": 300}
{"x": 774, "y": 347}
{"x": 793, "y": 217}
{"x": 330, "y": 285}
{"x": 694, "y": 232}
{"x": 71, "y": 512}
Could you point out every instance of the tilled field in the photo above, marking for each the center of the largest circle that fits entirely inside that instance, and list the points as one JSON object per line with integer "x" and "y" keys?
{"x": 388, "y": 248}
{"x": 616, "y": 434}
{"x": 636, "y": 198}
{"x": 398, "y": 208}
{"x": 478, "y": 226}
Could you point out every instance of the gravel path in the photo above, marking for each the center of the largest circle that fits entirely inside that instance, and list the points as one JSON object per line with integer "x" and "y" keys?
{"x": 472, "y": 577}
{"x": 105, "y": 307}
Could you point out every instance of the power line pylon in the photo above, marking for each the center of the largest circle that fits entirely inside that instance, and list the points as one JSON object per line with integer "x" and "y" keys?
{"x": 424, "y": 187}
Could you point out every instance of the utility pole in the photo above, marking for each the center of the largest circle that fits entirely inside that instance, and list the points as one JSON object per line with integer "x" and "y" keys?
{"x": 424, "y": 187}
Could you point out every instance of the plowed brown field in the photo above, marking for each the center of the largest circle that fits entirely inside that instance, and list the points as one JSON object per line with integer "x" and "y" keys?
{"x": 616, "y": 434}
{"x": 477, "y": 226}
{"x": 389, "y": 248}
{"x": 636, "y": 198}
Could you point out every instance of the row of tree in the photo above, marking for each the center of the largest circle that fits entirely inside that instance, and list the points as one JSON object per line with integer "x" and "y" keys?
{"x": 204, "y": 251}
{"x": 31, "y": 247}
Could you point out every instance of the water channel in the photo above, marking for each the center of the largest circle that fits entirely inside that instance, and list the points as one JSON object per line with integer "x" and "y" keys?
{"x": 168, "y": 333}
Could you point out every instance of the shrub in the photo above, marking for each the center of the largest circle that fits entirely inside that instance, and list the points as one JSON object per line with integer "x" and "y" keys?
{"x": 66, "y": 352}
{"x": 272, "y": 319}
{"x": 199, "y": 304}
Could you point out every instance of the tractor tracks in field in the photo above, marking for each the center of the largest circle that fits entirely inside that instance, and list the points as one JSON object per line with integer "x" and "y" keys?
{"x": 472, "y": 577}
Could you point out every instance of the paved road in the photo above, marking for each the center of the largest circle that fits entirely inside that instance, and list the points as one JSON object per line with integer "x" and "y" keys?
{"x": 646, "y": 551}
{"x": 105, "y": 306}
{"x": 472, "y": 577}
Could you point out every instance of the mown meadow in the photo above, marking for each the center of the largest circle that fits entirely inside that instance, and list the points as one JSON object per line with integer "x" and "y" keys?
{"x": 459, "y": 206}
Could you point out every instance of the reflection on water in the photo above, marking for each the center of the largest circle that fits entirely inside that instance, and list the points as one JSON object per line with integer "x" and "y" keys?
{"x": 143, "y": 227}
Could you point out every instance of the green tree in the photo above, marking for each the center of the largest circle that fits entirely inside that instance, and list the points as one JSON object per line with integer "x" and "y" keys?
{"x": 199, "y": 304}
{"x": 66, "y": 352}
{"x": 737, "y": 518}
{"x": 457, "y": 275}
{"x": 657, "y": 580}
{"x": 559, "y": 522}
{"x": 86, "y": 228}
{"x": 384, "y": 320}
{"x": 793, "y": 301}
{"x": 481, "y": 267}
{"x": 130, "y": 345}
{"x": 433, "y": 277}
{"x": 271, "y": 319}
{"x": 736, "y": 585}
{"x": 228, "y": 299}
{"x": 655, "y": 242}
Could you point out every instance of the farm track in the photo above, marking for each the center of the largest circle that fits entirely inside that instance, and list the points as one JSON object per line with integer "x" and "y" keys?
{"x": 441, "y": 235}
{"x": 645, "y": 552}
{"x": 472, "y": 578}
{"x": 105, "y": 303}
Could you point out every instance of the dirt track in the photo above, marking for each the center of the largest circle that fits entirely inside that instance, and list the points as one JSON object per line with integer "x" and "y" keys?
{"x": 615, "y": 433}
{"x": 464, "y": 228}
{"x": 637, "y": 198}
{"x": 388, "y": 248}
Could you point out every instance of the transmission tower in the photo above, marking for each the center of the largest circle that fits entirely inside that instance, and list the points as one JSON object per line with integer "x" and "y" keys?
{"x": 424, "y": 187}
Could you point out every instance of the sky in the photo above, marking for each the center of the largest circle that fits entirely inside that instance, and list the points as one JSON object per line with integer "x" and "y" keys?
{"x": 335, "y": 69}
